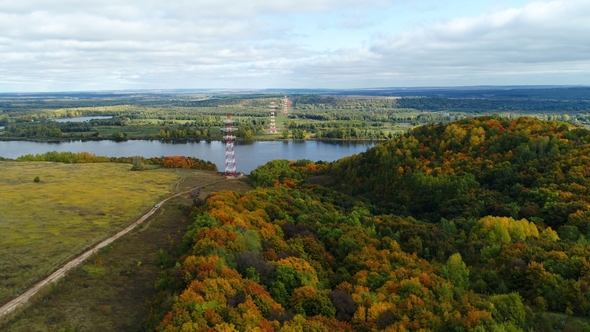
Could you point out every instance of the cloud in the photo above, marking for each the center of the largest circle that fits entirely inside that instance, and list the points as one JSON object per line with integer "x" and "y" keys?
{"x": 187, "y": 8}
{"x": 538, "y": 33}
{"x": 109, "y": 44}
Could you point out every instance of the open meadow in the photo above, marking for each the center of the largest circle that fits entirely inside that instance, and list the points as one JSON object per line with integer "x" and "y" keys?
{"x": 114, "y": 289}
{"x": 73, "y": 206}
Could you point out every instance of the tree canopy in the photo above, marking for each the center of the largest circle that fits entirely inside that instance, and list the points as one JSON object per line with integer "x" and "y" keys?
{"x": 476, "y": 225}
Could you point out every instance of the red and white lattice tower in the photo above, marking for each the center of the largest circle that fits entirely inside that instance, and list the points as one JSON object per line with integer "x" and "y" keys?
{"x": 230, "y": 157}
{"x": 273, "y": 128}
{"x": 285, "y": 106}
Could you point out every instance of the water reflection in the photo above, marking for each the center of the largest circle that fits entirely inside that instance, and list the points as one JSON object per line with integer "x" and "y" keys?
{"x": 83, "y": 118}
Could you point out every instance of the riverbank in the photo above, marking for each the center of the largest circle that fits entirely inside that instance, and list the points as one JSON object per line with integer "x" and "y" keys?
{"x": 249, "y": 154}
{"x": 183, "y": 140}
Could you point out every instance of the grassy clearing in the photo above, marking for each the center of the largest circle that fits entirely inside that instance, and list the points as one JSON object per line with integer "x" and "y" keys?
{"x": 111, "y": 291}
{"x": 74, "y": 206}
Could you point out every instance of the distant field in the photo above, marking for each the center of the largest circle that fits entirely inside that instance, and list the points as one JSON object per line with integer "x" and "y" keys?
{"x": 43, "y": 224}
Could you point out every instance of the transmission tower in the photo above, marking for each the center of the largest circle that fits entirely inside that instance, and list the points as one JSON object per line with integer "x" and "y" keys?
{"x": 230, "y": 157}
{"x": 273, "y": 128}
{"x": 285, "y": 106}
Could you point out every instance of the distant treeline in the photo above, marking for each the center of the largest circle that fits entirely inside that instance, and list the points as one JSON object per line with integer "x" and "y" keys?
{"x": 500, "y": 92}
{"x": 87, "y": 157}
{"x": 203, "y": 128}
{"x": 486, "y": 105}
{"x": 184, "y": 162}
{"x": 79, "y": 157}
{"x": 52, "y": 101}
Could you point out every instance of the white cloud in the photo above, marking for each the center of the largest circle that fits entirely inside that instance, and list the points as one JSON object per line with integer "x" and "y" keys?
{"x": 63, "y": 45}
{"x": 538, "y": 26}
{"x": 187, "y": 8}
{"x": 541, "y": 37}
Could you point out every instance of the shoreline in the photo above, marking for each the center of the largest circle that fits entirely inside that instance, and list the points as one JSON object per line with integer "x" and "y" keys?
{"x": 62, "y": 140}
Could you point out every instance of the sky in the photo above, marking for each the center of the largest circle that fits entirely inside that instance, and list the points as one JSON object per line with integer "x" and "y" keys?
{"x": 82, "y": 45}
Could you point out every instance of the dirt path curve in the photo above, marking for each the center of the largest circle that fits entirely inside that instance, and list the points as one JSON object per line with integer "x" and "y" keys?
{"x": 26, "y": 296}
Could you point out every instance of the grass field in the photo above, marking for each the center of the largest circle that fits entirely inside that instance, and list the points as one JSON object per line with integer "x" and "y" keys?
{"x": 110, "y": 291}
{"x": 74, "y": 206}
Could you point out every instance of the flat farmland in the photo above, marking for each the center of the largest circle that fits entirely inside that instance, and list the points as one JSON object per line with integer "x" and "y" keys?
{"x": 73, "y": 206}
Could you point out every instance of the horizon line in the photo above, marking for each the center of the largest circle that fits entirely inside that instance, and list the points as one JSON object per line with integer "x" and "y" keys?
{"x": 238, "y": 90}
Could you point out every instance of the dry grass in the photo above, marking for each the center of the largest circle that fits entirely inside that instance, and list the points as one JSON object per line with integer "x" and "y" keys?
{"x": 74, "y": 206}
{"x": 109, "y": 292}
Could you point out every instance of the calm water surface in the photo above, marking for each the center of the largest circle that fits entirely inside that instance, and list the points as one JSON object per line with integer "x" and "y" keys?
{"x": 248, "y": 155}
{"x": 83, "y": 118}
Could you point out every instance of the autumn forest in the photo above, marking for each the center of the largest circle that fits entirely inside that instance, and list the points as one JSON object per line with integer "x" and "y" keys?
{"x": 477, "y": 225}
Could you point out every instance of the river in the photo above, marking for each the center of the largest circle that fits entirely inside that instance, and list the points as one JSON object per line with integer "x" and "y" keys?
{"x": 83, "y": 118}
{"x": 248, "y": 155}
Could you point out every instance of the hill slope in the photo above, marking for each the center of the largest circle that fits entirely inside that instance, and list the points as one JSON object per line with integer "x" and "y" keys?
{"x": 478, "y": 225}
{"x": 524, "y": 168}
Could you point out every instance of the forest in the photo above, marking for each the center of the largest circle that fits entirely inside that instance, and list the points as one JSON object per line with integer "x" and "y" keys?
{"x": 338, "y": 114}
{"x": 476, "y": 225}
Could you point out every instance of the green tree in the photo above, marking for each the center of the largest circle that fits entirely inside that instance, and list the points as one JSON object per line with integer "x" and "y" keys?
{"x": 509, "y": 307}
{"x": 455, "y": 270}
{"x": 119, "y": 136}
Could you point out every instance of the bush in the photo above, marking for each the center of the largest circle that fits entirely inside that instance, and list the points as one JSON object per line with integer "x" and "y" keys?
{"x": 138, "y": 164}
{"x": 37, "y": 179}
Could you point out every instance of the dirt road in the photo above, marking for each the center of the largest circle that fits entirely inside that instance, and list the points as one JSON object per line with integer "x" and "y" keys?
{"x": 26, "y": 296}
